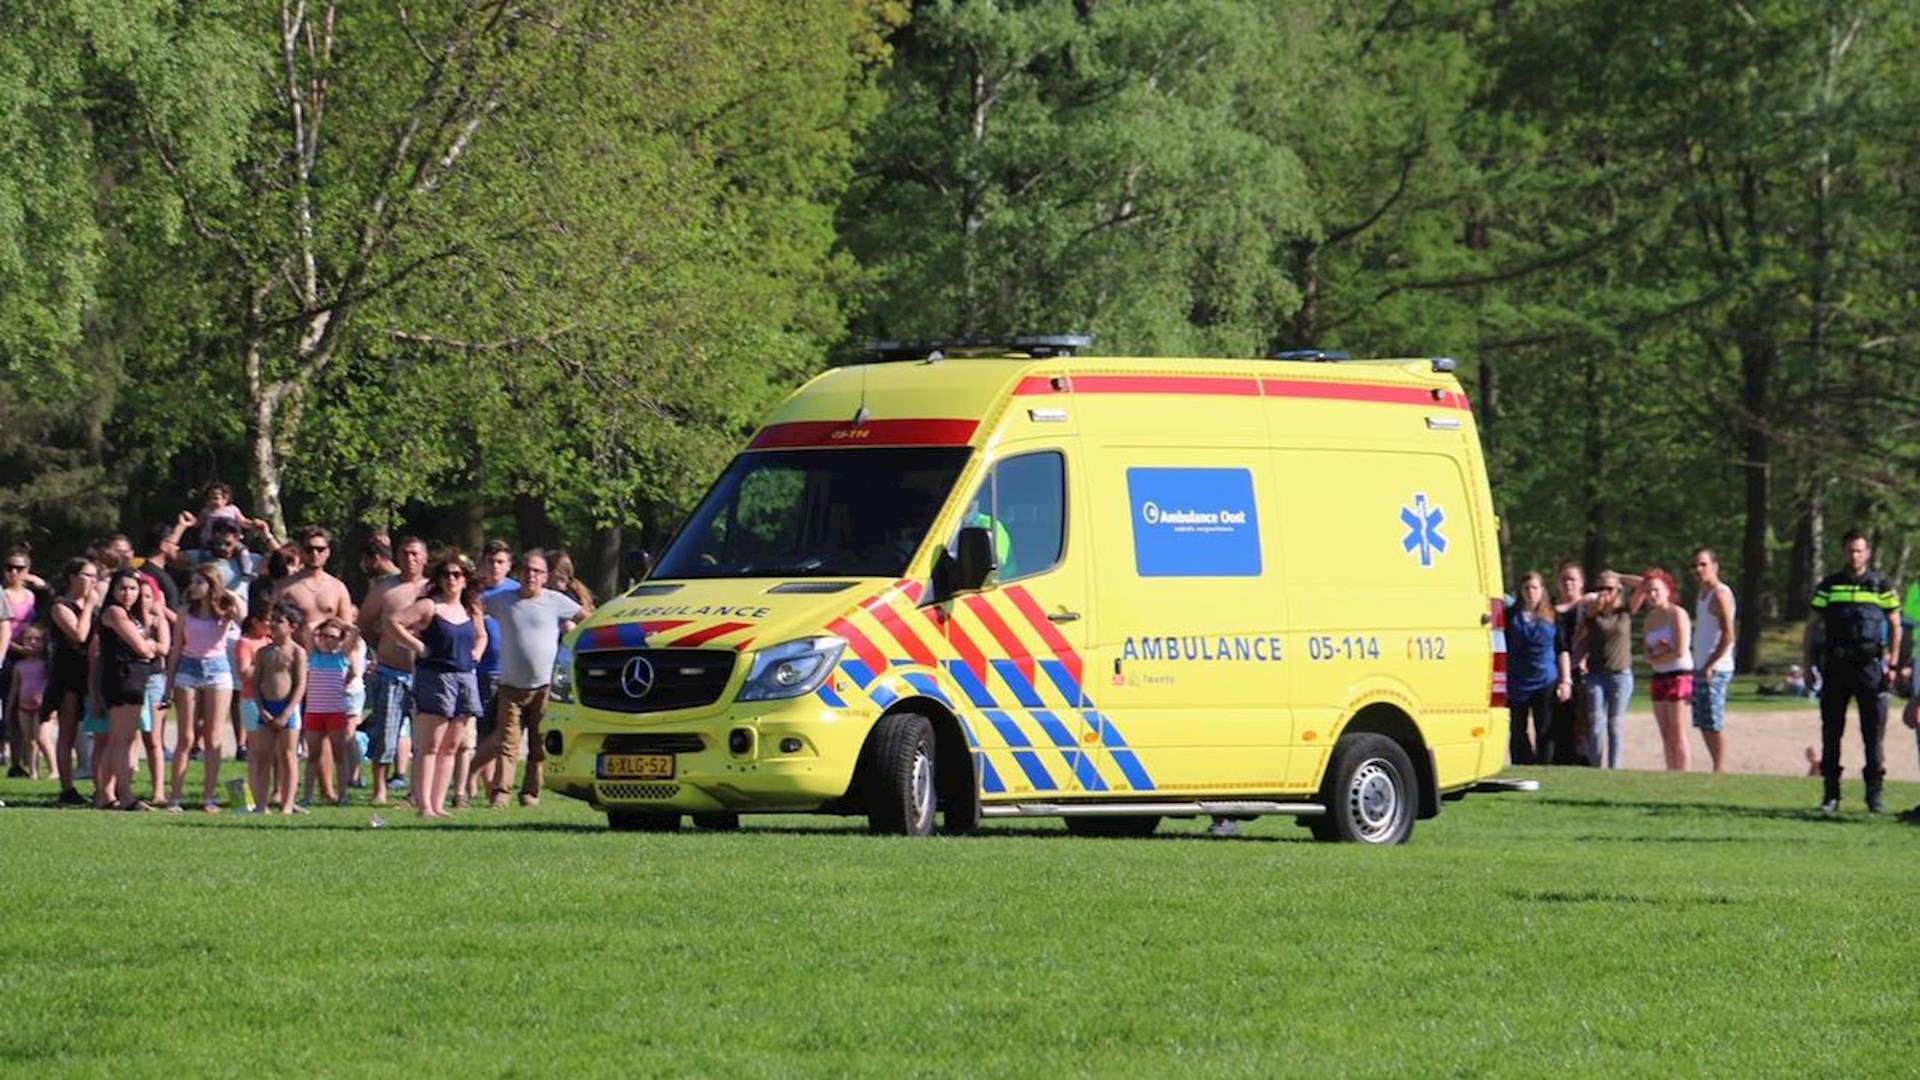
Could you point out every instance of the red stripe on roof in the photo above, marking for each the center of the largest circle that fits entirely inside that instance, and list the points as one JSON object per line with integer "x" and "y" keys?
{"x": 1227, "y": 386}
{"x": 701, "y": 637}
{"x": 1236, "y": 386}
{"x": 1062, "y": 649}
{"x": 1010, "y": 643}
{"x": 841, "y": 433}
{"x": 1338, "y": 391}
{"x": 861, "y": 645}
{"x": 1041, "y": 384}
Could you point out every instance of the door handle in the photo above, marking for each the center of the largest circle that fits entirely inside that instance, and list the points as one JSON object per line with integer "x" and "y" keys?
{"x": 1064, "y": 616}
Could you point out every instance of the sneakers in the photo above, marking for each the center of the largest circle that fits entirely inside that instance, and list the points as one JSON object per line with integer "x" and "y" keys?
{"x": 398, "y": 783}
{"x": 1830, "y": 807}
{"x": 15, "y": 772}
{"x": 1875, "y": 804}
{"x": 1224, "y": 827}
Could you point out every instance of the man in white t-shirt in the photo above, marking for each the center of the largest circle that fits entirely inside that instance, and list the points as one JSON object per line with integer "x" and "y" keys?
{"x": 531, "y": 619}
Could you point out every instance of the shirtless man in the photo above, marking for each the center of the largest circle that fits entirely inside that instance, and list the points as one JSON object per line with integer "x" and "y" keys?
{"x": 391, "y": 696}
{"x": 319, "y": 595}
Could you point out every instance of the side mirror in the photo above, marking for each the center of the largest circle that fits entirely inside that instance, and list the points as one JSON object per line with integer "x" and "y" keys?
{"x": 966, "y": 572}
{"x": 635, "y": 564}
{"x": 975, "y": 560}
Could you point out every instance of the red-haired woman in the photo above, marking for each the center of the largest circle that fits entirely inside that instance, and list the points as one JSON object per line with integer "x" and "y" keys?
{"x": 202, "y": 677}
{"x": 1669, "y": 640}
{"x": 444, "y": 629}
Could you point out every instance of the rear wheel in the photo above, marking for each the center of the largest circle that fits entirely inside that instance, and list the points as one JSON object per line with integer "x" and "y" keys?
{"x": 1124, "y": 827}
{"x": 900, "y": 775}
{"x": 632, "y": 822}
{"x": 1371, "y": 792}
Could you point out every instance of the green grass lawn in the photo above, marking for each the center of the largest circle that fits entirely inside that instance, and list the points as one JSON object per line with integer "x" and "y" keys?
{"x": 1614, "y": 924}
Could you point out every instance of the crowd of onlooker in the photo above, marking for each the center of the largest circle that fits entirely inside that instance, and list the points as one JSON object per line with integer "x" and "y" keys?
{"x": 222, "y": 640}
{"x": 1570, "y": 664}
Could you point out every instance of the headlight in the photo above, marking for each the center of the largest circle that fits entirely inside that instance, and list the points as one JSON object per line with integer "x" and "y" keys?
{"x": 792, "y": 669}
{"x": 561, "y": 688}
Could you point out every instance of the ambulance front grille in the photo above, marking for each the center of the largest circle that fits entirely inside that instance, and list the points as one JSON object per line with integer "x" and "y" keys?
{"x": 635, "y": 792}
{"x": 653, "y": 680}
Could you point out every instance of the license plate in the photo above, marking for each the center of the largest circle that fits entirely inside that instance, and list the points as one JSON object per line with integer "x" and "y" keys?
{"x": 636, "y": 766}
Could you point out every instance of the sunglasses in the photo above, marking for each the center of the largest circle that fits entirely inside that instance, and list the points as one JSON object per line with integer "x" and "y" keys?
{"x": 16, "y": 566}
{"x": 317, "y": 549}
{"x": 456, "y": 573}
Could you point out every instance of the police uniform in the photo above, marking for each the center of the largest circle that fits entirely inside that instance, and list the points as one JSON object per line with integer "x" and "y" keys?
{"x": 1855, "y": 624}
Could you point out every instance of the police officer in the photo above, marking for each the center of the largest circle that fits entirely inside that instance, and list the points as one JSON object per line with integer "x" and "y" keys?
{"x": 1853, "y": 638}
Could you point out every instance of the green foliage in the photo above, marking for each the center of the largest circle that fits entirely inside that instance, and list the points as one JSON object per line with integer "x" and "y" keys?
{"x": 1048, "y": 166}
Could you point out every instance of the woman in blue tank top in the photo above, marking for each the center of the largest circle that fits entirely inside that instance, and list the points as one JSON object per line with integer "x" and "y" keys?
{"x": 444, "y": 630}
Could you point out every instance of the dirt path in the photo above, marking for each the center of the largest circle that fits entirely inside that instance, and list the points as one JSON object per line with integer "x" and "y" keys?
{"x": 1775, "y": 743}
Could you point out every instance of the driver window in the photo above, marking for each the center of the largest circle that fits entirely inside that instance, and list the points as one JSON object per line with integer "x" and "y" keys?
{"x": 1023, "y": 501}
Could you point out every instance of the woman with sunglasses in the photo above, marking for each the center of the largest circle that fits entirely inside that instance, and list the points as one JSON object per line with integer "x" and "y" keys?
{"x": 72, "y": 617}
{"x": 1604, "y": 636}
{"x": 24, "y": 607}
{"x": 445, "y": 633}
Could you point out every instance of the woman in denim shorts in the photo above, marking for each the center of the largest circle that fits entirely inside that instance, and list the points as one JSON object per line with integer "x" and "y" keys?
{"x": 202, "y": 677}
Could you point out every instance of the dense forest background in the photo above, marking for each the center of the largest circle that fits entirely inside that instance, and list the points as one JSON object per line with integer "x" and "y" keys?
{"x": 533, "y": 268}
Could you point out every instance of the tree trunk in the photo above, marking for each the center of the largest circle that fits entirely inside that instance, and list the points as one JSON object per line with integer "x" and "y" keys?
{"x": 265, "y": 464}
{"x": 1759, "y": 358}
{"x": 607, "y": 579}
{"x": 1592, "y": 487}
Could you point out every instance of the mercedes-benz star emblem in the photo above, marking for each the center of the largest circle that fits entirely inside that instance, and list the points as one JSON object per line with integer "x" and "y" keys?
{"x": 636, "y": 679}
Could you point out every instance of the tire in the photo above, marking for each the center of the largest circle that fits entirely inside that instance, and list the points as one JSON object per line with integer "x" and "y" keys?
{"x": 643, "y": 822}
{"x": 1124, "y": 827}
{"x": 717, "y": 822}
{"x": 1371, "y": 793}
{"x": 900, "y": 772}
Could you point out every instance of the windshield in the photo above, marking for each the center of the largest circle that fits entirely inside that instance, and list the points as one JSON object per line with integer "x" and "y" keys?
{"x": 816, "y": 513}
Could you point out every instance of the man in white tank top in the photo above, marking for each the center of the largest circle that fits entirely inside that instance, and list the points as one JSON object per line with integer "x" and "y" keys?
{"x": 1712, "y": 655}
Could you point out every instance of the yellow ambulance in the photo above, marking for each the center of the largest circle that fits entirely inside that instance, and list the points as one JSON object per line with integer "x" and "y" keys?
{"x": 1005, "y": 579}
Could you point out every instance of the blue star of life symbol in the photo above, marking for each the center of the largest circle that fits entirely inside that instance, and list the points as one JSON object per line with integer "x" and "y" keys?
{"x": 1423, "y": 529}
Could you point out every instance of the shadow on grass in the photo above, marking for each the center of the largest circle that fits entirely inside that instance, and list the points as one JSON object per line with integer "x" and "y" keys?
{"x": 1703, "y": 810}
{"x": 1616, "y": 898}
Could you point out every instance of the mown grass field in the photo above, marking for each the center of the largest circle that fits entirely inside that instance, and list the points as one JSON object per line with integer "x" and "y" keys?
{"x": 1619, "y": 924}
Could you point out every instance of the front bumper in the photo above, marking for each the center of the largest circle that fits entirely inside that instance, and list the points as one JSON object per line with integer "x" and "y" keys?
{"x": 798, "y": 756}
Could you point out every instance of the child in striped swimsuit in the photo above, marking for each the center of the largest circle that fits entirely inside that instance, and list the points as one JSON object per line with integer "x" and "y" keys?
{"x": 327, "y": 724}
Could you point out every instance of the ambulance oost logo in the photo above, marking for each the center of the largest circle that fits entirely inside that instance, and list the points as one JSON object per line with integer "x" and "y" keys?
{"x": 1151, "y": 512}
{"x": 1423, "y": 529}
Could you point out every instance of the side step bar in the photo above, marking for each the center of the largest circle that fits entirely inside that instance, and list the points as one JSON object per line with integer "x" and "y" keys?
{"x": 1233, "y": 808}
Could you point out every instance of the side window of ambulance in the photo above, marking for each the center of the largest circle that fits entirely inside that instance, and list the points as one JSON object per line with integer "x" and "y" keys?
{"x": 1024, "y": 502}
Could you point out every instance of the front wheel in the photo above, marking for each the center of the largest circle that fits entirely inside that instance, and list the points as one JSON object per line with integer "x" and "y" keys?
{"x": 1370, "y": 793}
{"x": 900, "y": 797}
